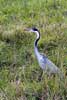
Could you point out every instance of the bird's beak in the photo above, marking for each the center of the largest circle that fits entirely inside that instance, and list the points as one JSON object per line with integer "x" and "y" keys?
{"x": 27, "y": 29}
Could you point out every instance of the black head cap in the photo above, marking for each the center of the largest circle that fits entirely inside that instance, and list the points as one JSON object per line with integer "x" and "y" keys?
{"x": 34, "y": 29}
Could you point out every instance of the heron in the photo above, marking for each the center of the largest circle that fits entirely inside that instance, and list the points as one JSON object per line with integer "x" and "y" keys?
{"x": 46, "y": 65}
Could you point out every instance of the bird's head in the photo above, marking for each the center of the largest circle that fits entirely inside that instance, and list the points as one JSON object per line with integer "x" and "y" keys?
{"x": 34, "y": 30}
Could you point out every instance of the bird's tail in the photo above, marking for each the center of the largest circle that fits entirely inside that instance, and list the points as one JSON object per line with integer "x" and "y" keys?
{"x": 60, "y": 73}
{"x": 55, "y": 69}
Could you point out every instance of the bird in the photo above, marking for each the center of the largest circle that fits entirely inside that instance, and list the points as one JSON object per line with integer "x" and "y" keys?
{"x": 46, "y": 65}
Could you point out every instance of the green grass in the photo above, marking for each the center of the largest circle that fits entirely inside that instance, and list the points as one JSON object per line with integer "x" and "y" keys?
{"x": 19, "y": 70}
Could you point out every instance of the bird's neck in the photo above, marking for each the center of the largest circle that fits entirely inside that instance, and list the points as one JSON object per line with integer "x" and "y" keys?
{"x": 37, "y": 38}
{"x": 36, "y": 45}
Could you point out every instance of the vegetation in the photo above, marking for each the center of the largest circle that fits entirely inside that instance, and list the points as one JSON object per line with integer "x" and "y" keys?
{"x": 20, "y": 74}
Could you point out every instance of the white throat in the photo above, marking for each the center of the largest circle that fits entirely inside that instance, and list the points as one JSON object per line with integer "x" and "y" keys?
{"x": 37, "y": 34}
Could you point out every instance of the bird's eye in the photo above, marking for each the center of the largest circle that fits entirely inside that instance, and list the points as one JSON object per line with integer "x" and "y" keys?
{"x": 34, "y": 29}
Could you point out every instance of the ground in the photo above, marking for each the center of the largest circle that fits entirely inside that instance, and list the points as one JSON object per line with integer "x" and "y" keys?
{"x": 20, "y": 74}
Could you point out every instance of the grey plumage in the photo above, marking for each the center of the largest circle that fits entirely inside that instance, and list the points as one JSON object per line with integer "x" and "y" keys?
{"x": 46, "y": 65}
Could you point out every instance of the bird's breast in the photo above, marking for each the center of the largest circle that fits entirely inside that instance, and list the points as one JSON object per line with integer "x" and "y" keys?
{"x": 42, "y": 62}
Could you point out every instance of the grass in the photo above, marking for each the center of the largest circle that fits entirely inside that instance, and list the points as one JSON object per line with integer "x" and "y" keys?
{"x": 19, "y": 71}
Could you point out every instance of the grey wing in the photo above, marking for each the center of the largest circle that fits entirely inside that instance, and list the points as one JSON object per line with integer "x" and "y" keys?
{"x": 54, "y": 69}
{"x": 51, "y": 66}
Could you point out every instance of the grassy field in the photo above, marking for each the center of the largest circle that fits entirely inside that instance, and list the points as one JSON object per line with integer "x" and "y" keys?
{"x": 19, "y": 71}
